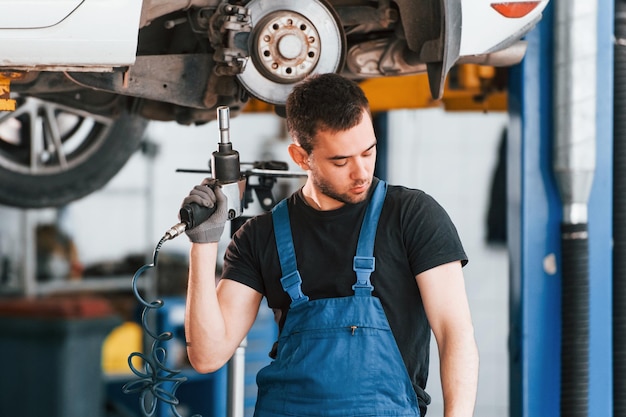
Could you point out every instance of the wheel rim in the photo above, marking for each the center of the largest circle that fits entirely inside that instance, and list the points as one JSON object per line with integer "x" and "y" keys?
{"x": 290, "y": 40}
{"x": 44, "y": 138}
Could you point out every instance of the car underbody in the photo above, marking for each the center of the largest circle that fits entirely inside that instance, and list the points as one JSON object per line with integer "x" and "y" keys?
{"x": 193, "y": 56}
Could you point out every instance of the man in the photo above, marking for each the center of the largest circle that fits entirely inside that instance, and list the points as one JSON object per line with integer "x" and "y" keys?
{"x": 354, "y": 330}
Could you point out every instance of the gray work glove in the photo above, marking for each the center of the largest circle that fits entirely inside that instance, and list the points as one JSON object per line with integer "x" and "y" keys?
{"x": 208, "y": 194}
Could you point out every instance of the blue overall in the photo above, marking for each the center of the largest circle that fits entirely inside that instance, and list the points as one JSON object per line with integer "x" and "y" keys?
{"x": 336, "y": 356}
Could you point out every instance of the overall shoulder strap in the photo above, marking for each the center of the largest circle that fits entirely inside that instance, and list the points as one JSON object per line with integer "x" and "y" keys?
{"x": 291, "y": 280}
{"x": 364, "y": 262}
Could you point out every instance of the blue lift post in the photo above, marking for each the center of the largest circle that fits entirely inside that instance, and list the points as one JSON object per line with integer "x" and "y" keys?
{"x": 534, "y": 216}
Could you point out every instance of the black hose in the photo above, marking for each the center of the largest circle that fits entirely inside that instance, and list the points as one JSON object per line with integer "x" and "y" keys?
{"x": 575, "y": 321}
{"x": 619, "y": 213}
{"x": 156, "y": 382}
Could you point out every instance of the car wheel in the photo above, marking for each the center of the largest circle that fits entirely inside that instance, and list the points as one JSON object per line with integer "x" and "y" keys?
{"x": 51, "y": 155}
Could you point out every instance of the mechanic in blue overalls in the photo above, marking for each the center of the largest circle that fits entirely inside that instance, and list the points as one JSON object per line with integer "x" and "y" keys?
{"x": 357, "y": 272}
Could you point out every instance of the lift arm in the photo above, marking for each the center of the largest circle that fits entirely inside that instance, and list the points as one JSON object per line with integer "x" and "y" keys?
{"x": 6, "y": 103}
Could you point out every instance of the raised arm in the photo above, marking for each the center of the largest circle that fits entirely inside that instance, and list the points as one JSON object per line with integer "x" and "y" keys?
{"x": 447, "y": 308}
{"x": 216, "y": 319}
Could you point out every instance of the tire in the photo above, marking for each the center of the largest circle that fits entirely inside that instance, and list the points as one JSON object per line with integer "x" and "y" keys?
{"x": 51, "y": 155}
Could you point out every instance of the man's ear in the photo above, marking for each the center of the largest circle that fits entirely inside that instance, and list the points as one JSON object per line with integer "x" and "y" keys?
{"x": 299, "y": 156}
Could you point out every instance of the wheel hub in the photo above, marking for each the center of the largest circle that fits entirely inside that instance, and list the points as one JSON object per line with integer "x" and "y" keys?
{"x": 289, "y": 41}
{"x": 288, "y": 46}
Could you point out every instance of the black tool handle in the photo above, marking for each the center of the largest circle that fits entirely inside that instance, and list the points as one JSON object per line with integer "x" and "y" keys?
{"x": 194, "y": 214}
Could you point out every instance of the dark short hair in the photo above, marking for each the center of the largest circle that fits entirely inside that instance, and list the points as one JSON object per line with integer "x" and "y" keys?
{"x": 323, "y": 102}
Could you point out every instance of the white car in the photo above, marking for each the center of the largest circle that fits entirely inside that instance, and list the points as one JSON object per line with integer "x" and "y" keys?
{"x": 86, "y": 76}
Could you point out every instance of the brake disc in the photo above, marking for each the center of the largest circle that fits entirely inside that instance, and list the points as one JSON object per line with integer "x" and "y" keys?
{"x": 289, "y": 41}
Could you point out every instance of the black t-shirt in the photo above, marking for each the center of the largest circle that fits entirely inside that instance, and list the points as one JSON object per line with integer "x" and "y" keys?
{"x": 414, "y": 235}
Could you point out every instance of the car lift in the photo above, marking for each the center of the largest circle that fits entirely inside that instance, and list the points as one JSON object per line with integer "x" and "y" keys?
{"x": 536, "y": 213}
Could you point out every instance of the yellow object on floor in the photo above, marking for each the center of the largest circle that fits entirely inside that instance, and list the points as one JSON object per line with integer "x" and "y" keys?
{"x": 119, "y": 344}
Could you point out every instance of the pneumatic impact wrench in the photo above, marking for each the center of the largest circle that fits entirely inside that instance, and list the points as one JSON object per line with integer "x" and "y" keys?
{"x": 226, "y": 171}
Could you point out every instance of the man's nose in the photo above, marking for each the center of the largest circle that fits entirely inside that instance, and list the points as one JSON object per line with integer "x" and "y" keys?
{"x": 360, "y": 168}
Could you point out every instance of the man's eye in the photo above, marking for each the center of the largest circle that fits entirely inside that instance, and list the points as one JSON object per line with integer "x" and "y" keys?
{"x": 342, "y": 163}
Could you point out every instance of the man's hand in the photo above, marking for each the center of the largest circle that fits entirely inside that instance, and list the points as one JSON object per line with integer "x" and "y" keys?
{"x": 208, "y": 194}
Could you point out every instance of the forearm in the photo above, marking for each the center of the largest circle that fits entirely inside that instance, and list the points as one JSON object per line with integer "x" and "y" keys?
{"x": 205, "y": 329}
{"x": 459, "y": 374}
{"x": 447, "y": 308}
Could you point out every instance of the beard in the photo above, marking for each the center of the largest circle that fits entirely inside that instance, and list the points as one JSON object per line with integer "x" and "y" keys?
{"x": 347, "y": 198}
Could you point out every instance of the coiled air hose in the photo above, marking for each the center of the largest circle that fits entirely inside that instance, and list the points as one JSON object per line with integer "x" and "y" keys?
{"x": 155, "y": 378}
